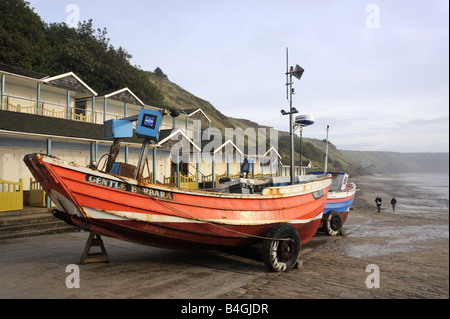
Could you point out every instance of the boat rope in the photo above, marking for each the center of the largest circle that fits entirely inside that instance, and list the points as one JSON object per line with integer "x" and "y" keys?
{"x": 215, "y": 224}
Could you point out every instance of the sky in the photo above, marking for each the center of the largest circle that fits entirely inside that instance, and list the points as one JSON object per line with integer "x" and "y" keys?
{"x": 376, "y": 71}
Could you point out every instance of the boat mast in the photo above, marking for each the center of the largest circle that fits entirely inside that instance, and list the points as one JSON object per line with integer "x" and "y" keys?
{"x": 297, "y": 72}
{"x": 291, "y": 114}
{"x": 326, "y": 153}
{"x": 291, "y": 121}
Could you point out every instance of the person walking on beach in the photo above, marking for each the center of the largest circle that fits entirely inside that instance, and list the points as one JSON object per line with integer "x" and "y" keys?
{"x": 393, "y": 202}
{"x": 378, "y": 202}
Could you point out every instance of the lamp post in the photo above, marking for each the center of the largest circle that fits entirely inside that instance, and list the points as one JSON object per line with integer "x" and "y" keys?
{"x": 297, "y": 72}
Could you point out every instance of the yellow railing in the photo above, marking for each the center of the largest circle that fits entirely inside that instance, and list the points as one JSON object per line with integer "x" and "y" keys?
{"x": 207, "y": 178}
{"x": 235, "y": 176}
{"x": 224, "y": 175}
{"x": 11, "y": 195}
{"x": 37, "y": 195}
{"x": 58, "y": 114}
{"x": 22, "y": 109}
{"x": 189, "y": 182}
{"x": 80, "y": 117}
{"x": 62, "y": 114}
{"x": 148, "y": 179}
{"x": 171, "y": 180}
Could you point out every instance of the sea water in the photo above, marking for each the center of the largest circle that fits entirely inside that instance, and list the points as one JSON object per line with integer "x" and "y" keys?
{"x": 420, "y": 219}
{"x": 432, "y": 195}
{"x": 418, "y": 195}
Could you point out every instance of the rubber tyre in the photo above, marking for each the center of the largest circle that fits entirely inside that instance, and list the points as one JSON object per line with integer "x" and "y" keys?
{"x": 281, "y": 255}
{"x": 333, "y": 224}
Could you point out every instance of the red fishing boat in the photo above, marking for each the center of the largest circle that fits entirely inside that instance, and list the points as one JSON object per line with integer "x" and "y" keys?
{"x": 102, "y": 203}
{"x": 240, "y": 213}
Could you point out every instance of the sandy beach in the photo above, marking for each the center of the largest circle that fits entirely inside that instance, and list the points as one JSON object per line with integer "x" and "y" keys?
{"x": 402, "y": 254}
{"x": 409, "y": 247}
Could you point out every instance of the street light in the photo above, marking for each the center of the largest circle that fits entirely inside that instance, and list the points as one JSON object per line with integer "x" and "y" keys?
{"x": 297, "y": 72}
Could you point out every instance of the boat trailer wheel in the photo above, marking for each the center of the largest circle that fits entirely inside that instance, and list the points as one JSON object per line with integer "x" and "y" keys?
{"x": 333, "y": 224}
{"x": 281, "y": 255}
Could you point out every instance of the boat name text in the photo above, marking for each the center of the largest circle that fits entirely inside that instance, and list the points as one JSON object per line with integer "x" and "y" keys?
{"x": 128, "y": 187}
{"x": 317, "y": 194}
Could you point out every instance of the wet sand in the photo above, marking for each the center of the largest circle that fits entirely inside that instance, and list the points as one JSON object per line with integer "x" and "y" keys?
{"x": 409, "y": 251}
{"x": 409, "y": 247}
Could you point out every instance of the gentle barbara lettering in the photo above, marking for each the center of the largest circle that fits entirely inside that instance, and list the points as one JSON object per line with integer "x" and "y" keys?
{"x": 128, "y": 187}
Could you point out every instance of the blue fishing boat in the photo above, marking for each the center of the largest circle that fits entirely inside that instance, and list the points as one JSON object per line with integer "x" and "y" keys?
{"x": 339, "y": 200}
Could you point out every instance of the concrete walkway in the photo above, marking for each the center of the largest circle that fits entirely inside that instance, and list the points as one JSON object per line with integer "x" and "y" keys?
{"x": 35, "y": 267}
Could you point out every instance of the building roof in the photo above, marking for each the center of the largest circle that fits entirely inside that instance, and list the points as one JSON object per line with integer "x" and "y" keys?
{"x": 69, "y": 81}
{"x": 168, "y": 138}
{"x": 197, "y": 114}
{"x": 271, "y": 151}
{"x": 227, "y": 145}
{"x": 123, "y": 95}
{"x": 22, "y": 72}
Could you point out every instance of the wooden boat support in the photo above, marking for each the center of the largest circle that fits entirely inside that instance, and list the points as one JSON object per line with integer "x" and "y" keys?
{"x": 94, "y": 240}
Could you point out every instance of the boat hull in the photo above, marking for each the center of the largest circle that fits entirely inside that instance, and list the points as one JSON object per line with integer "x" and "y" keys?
{"x": 169, "y": 217}
{"x": 189, "y": 235}
{"x": 340, "y": 201}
